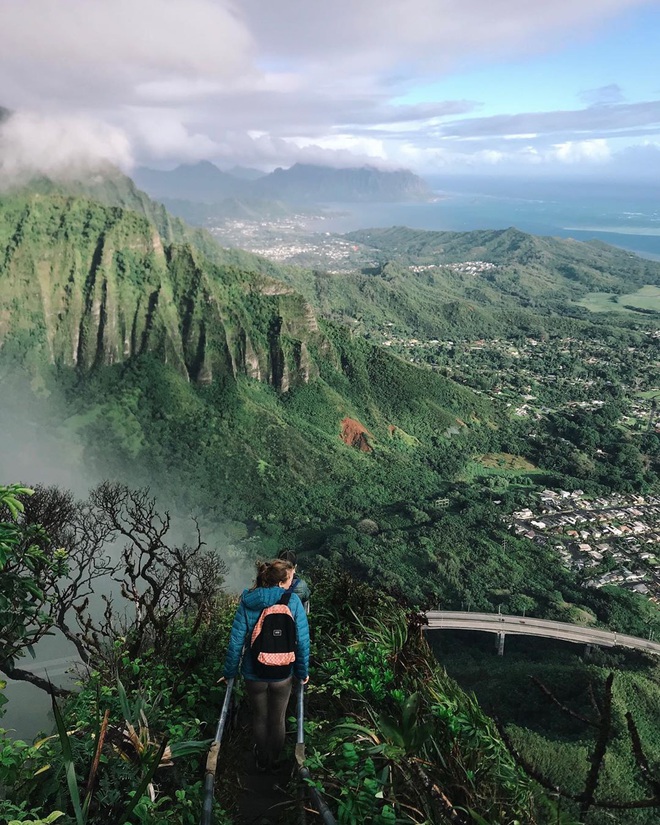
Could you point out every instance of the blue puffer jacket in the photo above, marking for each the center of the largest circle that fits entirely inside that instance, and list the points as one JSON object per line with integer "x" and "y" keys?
{"x": 247, "y": 615}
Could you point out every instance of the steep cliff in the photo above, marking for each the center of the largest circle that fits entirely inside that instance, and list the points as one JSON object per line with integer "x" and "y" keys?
{"x": 202, "y": 373}
{"x": 85, "y": 285}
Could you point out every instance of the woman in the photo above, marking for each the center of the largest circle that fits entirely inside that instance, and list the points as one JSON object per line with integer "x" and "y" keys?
{"x": 268, "y": 696}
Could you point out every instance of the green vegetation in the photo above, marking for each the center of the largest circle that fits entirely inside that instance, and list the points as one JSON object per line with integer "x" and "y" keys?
{"x": 23, "y": 565}
{"x": 222, "y": 384}
{"x": 387, "y": 728}
{"x": 646, "y": 299}
{"x": 386, "y": 724}
{"x": 171, "y": 359}
{"x": 525, "y": 689}
{"x": 166, "y": 650}
{"x": 470, "y": 285}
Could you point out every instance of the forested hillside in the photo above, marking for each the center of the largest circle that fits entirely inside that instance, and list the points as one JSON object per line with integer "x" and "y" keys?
{"x": 470, "y": 284}
{"x": 386, "y": 728}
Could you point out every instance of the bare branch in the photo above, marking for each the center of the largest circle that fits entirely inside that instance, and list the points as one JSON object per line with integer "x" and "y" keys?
{"x": 564, "y": 709}
{"x": 640, "y": 756}
{"x": 604, "y": 731}
{"x": 20, "y": 675}
{"x": 158, "y": 581}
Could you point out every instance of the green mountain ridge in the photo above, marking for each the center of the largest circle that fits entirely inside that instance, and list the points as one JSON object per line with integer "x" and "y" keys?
{"x": 470, "y": 284}
{"x": 97, "y": 285}
{"x": 569, "y": 265}
{"x": 175, "y": 360}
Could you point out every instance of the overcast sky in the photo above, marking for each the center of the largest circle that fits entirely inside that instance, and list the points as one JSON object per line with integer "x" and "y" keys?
{"x": 444, "y": 86}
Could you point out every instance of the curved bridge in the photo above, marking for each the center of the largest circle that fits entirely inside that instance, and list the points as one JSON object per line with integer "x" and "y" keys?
{"x": 529, "y": 626}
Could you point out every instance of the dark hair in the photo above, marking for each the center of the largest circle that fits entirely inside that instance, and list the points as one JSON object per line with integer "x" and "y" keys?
{"x": 272, "y": 573}
{"x": 288, "y": 555}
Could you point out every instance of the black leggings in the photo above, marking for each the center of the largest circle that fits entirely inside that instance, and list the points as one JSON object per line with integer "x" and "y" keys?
{"x": 269, "y": 701}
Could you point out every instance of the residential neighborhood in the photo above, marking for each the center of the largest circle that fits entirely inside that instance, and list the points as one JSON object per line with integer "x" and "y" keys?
{"x": 534, "y": 377}
{"x": 464, "y": 267}
{"x": 613, "y": 539}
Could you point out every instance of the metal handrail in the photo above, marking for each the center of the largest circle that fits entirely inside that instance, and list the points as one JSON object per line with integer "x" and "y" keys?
{"x": 212, "y": 758}
{"x": 324, "y": 812}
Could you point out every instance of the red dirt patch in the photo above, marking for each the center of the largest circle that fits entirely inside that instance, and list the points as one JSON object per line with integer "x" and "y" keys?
{"x": 355, "y": 435}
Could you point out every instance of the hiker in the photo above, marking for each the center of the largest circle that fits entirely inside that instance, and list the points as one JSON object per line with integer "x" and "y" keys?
{"x": 269, "y": 681}
{"x": 298, "y": 586}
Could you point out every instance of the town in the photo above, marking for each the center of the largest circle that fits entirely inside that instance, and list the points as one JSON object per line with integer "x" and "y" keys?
{"x": 291, "y": 240}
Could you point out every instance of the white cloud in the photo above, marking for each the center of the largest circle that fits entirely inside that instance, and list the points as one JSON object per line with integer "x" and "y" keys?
{"x": 58, "y": 147}
{"x": 191, "y": 79}
{"x": 609, "y": 119}
{"x": 373, "y": 35}
{"x": 161, "y": 36}
{"x": 582, "y": 151}
{"x": 603, "y": 95}
{"x": 359, "y": 146}
{"x": 160, "y": 134}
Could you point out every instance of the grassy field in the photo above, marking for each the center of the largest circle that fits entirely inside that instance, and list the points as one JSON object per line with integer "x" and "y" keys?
{"x": 498, "y": 464}
{"x": 506, "y": 461}
{"x": 645, "y": 298}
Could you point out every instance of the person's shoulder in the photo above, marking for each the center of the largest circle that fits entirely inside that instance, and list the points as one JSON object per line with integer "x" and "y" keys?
{"x": 295, "y": 603}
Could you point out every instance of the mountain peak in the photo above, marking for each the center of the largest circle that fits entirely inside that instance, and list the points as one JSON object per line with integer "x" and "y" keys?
{"x": 201, "y": 166}
{"x": 308, "y": 182}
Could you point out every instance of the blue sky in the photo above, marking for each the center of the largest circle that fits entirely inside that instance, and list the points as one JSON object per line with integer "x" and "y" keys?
{"x": 623, "y": 52}
{"x": 481, "y": 87}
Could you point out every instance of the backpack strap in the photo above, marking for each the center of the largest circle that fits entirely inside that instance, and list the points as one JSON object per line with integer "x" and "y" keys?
{"x": 285, "y": 598}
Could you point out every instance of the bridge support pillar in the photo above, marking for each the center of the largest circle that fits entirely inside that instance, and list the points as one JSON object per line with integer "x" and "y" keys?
{"x": 500, "y": 642}
{"x": 587, "y": 651}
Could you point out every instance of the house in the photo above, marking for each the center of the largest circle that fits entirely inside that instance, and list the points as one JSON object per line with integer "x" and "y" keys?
{"x": 523, "y": 514}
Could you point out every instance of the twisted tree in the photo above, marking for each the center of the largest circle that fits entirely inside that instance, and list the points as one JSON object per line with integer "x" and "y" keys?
{"x": 95, "y": 570}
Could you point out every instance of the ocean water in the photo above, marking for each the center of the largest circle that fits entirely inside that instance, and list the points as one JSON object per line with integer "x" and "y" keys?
{"x": 624, "y": 215}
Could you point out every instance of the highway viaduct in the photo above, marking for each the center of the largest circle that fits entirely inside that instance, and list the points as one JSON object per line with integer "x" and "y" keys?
{"x": 502, "y": 625}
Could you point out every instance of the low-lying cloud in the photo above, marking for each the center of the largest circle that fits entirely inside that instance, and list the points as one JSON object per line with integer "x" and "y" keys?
{"x": 59, "y": 147}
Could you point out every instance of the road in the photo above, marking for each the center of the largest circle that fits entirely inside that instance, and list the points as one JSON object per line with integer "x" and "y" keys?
{"x": 529, "y": 626}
